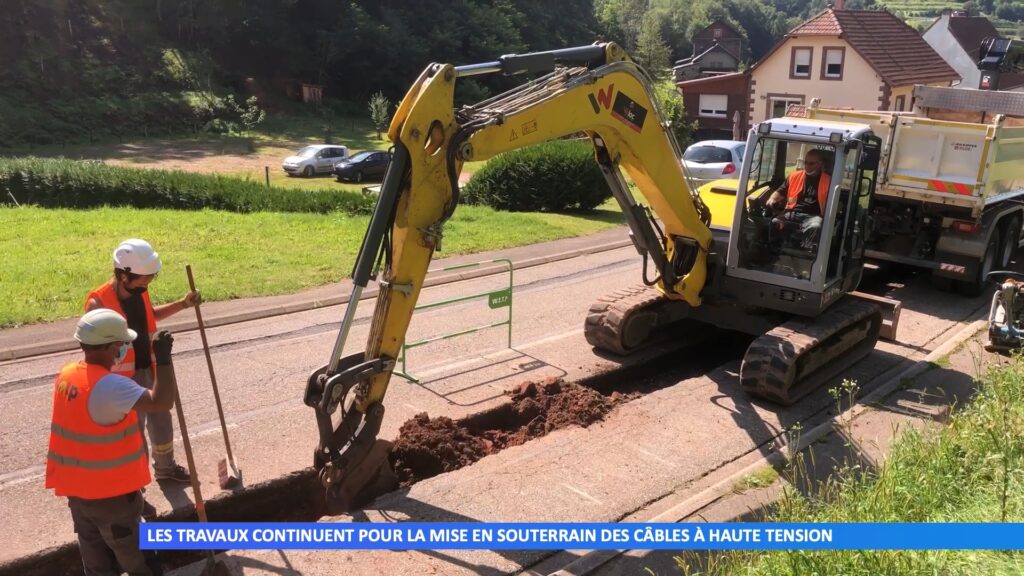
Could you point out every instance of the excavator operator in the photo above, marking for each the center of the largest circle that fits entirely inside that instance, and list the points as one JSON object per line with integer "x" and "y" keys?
{"x": 805, "y": 194}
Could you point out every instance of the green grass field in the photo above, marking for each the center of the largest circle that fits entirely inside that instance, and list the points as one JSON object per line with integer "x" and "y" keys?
{"x": 52, "y": 258}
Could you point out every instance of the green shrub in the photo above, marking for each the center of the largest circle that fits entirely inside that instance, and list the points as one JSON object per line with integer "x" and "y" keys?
{"x": 60, "y": 183}
{"x": 550, "y": 177}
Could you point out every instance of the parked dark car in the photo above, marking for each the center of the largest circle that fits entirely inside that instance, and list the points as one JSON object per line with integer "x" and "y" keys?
{"x": 367, "y": 164}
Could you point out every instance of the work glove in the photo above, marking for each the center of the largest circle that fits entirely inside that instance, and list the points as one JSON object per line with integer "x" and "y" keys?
{"x": 162, "y": 347}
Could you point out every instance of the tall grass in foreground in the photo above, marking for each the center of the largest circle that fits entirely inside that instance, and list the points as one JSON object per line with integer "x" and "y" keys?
{"x": 967, "y": 471}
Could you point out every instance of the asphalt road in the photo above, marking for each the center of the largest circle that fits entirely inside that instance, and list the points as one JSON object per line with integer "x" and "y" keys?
{"x": 262, "y": 366}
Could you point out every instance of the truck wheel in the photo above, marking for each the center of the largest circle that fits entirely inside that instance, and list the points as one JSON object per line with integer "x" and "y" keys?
{"x": 977, "y": 285}
{"x": 1011, "y": 238}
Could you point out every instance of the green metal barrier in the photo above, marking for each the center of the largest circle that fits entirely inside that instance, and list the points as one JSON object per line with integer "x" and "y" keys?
{"x": 495, "y": 300}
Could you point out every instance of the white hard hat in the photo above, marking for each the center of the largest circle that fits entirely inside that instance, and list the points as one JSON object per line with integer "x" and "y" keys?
{"x": 136, "y": 256}
{"x": 103, "y": 326}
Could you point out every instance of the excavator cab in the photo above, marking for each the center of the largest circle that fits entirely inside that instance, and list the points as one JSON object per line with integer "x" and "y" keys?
{"x": 809, "y": 256}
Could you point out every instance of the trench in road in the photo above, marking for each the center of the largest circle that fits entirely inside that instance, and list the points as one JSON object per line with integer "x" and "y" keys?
{"x": 536, "y": 410}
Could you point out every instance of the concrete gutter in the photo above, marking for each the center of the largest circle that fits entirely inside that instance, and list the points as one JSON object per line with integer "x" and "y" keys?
{"x": 297, "y": 302}
{"x": 592, "y": 561}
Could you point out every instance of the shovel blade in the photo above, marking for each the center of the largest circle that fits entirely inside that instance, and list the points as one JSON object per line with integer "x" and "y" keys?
{"x": 228, "y": 475}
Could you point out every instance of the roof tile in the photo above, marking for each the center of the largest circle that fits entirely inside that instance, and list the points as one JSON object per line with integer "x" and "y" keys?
{"x": 896, "y": 51}
{"x": 969, "y": 31}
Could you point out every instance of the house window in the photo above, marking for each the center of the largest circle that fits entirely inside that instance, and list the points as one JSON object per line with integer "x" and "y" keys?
{"x": 714, "y": 106}
{"x": 832, "y": 63}
{"x": 900, "y": 101}
{"x": 777, "y": 105}
{"x": 717, "y": 32}
{"x": 800, "y": 66}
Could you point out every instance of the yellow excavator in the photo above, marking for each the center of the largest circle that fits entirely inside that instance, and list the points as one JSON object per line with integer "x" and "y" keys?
{"x": 719, "y": 258}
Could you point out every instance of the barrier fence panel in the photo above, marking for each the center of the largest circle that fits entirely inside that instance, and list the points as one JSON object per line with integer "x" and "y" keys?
{"x": 495, "y": 300}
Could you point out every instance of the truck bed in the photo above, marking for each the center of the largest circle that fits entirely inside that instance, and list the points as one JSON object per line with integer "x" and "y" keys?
{"x": 968, "y": 165}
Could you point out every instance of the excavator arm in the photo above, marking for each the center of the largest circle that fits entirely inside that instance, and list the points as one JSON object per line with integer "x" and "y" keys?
{"x": 594, "y": 90}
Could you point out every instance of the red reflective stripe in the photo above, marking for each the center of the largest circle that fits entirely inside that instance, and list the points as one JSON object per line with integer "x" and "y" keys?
{"x": 962, "y": 189}
{"x": 938, "y": 185}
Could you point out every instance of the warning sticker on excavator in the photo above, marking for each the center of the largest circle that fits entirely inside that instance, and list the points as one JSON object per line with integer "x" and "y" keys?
{"x": 629, "y": 112}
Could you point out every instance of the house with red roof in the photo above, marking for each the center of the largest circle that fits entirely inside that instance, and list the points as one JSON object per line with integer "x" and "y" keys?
{"x": 856, "y": 59}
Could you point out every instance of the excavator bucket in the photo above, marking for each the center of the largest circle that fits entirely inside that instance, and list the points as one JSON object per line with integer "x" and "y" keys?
{"x": 890, "y": 310}
{"x": 367, "y": 479}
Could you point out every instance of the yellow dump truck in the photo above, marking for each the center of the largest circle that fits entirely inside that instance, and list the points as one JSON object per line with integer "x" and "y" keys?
{"x": 950, "y": 188}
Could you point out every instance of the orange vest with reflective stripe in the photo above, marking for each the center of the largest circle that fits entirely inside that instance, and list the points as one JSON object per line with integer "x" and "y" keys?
{"x": 85, "y": 459}
{"x": 107, "y": 296}
{"x": 796, "y": 188}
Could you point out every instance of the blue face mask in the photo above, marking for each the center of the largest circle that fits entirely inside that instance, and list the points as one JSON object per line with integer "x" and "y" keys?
{"x": 122, "y": 352}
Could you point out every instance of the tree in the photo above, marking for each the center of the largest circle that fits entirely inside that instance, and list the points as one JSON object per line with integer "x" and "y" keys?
{"x": 651, "y": 51}
{"x": 380, "y": 113}
{"x": 622, "y": 19}
{"x": 670, "y": 102}
{"x": 251, "y": 114}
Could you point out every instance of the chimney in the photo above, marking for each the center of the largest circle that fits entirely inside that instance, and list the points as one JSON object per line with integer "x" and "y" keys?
{"x": 839, "y": 4}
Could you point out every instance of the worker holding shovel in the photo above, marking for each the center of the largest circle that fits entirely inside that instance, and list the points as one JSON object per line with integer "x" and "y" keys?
{"x": 96, "y": 457}
{"x": 136, "y": 265}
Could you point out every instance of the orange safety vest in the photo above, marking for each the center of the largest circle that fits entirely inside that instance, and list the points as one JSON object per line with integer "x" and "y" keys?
{"x": 85, "y": 459}
{"x": 796, "y": 188}
{"x": 107, "y": 296}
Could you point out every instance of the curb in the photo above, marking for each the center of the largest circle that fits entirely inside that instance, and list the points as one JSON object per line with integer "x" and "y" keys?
{"x": 302, "y": 305}
{"x": 593, "y": 560}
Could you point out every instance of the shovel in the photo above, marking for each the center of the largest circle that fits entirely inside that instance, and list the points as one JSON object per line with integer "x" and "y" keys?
{"x": 228, "y": 475}
{"x": 213, "y": 567}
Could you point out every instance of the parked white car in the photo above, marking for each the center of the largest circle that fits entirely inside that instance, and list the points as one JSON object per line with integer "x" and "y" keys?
{"x": 315, "y": 159}
{"x": 711, "y": 160}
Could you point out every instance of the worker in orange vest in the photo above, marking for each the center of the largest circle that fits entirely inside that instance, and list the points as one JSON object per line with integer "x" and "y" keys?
{"x": 96, "y": 455}
{"x": 136, "y": 264}
{"x": 803, "y": 197}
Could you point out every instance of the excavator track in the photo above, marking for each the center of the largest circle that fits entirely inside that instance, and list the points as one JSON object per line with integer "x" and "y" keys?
{"x": 623, "y": 321}
{"x": 798, "y": 356}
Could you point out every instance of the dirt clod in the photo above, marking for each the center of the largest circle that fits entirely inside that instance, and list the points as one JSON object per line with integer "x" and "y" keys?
{"x": 430, "y": 446}
{"x": 427, "y": 447}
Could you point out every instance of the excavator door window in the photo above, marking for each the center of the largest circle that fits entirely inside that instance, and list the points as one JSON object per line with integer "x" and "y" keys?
{"x": 783, "y": 242}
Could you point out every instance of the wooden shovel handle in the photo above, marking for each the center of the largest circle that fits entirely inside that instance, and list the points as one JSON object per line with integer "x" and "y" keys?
{"x": 209, "y": 364}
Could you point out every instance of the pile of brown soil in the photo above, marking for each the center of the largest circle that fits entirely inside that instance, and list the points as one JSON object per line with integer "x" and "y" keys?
{"x": 427, "y": 447}
{"x": 540, "y": 407}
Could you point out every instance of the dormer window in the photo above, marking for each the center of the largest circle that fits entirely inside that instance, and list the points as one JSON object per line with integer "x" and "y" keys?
{"x": 800, "y": 64}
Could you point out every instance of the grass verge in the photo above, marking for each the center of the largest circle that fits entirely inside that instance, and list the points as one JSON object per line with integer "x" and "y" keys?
{"x": 53, "y": 257}
{"x": 969, "y": 471}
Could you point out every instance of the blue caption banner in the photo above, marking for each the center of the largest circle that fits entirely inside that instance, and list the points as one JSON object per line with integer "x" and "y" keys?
{"x": 580, "y": 536}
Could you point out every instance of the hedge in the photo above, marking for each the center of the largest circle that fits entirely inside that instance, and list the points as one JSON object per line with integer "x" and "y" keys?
{"x": 555, "y": 176}
{"x": 62, "y": 183}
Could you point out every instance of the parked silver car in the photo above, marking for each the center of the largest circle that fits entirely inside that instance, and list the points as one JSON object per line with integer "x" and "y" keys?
{"x": 315, "y": 159}
{"x": 711, "y": 160}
